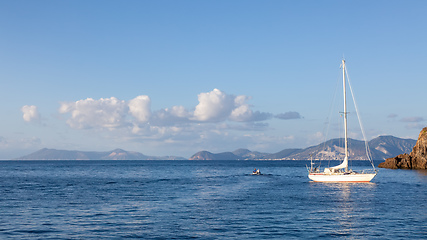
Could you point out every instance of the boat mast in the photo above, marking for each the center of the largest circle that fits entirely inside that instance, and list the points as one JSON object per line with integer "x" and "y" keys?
{"x": 345, "y": 116}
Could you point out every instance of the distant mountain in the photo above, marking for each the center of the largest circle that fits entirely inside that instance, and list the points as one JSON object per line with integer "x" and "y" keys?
{"x": 389, "y": 146}
{"x": 284, "y": 153}
{"x": 117, "y": 154}
{"x": 332, "y": 149}
{"x": 381, "y": 148}
{"x": 247, "y": 154}
{"x": 205, "y": 155}
{"x": 239, "y": 154}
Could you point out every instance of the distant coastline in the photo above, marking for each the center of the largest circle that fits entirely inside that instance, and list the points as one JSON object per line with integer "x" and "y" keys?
{"x": 382, "y": 147}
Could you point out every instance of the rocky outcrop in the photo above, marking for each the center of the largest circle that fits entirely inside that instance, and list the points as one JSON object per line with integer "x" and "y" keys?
{"x": 417, "y": 159}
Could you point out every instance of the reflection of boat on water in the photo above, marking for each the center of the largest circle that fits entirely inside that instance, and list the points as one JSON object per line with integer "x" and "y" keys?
{"x": 341, "y": 173}
{"x": 256, "y": 172}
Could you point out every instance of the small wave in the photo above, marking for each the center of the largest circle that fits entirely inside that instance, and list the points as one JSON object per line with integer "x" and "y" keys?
{"x": 36, "y": 231}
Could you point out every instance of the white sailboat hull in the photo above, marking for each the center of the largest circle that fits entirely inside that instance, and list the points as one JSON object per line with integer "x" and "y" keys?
{"x": 341, "y": 177}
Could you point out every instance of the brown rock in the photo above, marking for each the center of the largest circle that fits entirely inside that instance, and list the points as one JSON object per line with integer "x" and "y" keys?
{"x": 417, "y": 159}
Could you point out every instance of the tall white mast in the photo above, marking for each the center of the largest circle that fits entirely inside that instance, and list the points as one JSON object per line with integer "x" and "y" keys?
{"x": 345, "y": 116}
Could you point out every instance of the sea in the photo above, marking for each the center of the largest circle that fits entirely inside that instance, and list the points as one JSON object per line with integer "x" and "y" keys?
{"x": 205, "y": 200}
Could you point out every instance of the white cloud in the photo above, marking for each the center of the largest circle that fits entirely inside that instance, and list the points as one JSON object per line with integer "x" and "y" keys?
{"x": 179, "y": 111}
{"x": 140, "y": 108}
{"x": 171, "y": 116}
{"x": 216, "y": 106}
{"x": 213, "y": 106}
{"x": 30, "y": 113}
{"x": 89, "y": 113}
{"x": 241, "y": 113}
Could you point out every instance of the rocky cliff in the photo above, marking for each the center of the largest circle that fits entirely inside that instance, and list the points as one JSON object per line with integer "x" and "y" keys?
{"x": 417, "y": 159}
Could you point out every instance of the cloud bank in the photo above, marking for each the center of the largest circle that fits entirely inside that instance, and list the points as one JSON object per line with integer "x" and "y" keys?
{"x": 111, "y": 113}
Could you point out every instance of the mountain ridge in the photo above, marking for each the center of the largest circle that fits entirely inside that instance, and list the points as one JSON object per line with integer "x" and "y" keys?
{"x": 382, "y": 147}
{"x": 116, "y": 154}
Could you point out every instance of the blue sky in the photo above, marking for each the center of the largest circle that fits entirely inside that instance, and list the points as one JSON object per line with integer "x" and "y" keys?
{"x": 177, "y": 77}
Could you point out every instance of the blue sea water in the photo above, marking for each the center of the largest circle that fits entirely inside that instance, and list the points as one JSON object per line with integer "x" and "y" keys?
{"x": 204, "y": 200}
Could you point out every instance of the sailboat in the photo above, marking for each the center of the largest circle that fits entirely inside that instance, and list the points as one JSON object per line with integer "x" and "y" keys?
{"x": 341, "y": 173}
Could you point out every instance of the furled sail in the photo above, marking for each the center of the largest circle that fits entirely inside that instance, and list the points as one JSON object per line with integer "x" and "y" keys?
{"x": 344, "y": 164}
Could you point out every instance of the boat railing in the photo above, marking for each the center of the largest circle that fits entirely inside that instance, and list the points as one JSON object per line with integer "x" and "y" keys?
{"x": 366, "y": 171}
{"x": 313, "y": 169}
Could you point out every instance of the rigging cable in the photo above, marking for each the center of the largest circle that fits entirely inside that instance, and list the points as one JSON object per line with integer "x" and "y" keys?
{"x": 368, "y": 152}
{"x": 328, "y": 122}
